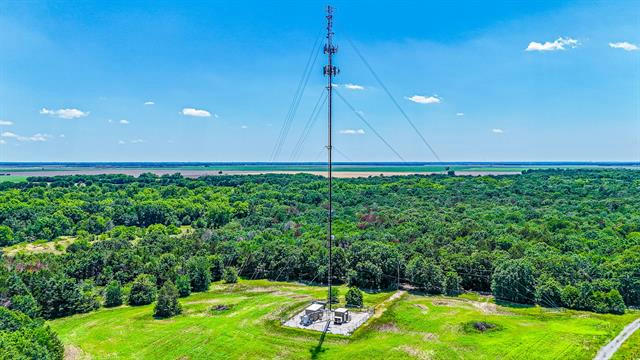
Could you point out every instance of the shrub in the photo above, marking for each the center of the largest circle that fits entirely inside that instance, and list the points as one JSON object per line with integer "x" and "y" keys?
{"x": 452, "y": 283}
{"x": 183, "y": 284}
{"x": 230, "y": 275}
{"x": 113, "y": 294}
{"x": 199, "y": 272}
{"x": 25, "y": 304}
{"x": 217, "y": 267}
{"x": 167, "y": 305}
{"x": 354, "y": 297}
{"x": 143, "y": 290}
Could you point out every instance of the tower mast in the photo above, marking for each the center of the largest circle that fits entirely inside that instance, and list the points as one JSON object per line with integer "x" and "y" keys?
{"x": 330, "y": 71}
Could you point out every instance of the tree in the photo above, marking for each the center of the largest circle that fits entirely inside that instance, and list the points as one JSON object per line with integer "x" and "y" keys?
{"x": 167, "y": 304}
{"x": 335, "y": 293}
{"x": 549, "y": 293}
{"x": 143, "y": 290}
{"x": 217, "y": 267}
{"x": 426, "y": 275}
{"x": 354, "y": 297}
{"x": 6, "y": 235}
{"x": 113, "y": 294}
{"x": 199, "y": 273}
{"x": 230, "y": 275}
{"x": 452, "y": 283}
{"x": 183, "y": 284}
{"x": 24, "y": 338}
{"x": 513, "y": 281}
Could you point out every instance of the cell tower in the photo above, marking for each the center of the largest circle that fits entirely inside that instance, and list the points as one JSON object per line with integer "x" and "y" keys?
{"x": 330, "y": 71}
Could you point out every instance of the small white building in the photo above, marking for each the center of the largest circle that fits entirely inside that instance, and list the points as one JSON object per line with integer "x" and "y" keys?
{"x": 312, "y": 313}
{"x": 341, "y": 316}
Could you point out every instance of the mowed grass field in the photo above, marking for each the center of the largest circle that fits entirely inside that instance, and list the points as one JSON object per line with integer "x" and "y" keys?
{"x": 413, "y": 326}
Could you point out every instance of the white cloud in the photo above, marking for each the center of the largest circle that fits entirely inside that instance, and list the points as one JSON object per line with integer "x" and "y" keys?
{"x": 558, "y": 44}
{"x": 124, "y": 122}
{"x": 460, "y": 114}
{"x": 424, "y": 99}
{"x": 137, "y": 141}
{"x": 5, "y": 123}
{"x": 121, "y": 142}
{"x": 2, "y": 142}
{"x": 109, "y": 121}
{"x": 61, "y": 135}
{"x": 497, "y": 131}
{"x": 353, "y": 86}
{"x": 195, "y": 112}
{"x": 35, "y": 137}
{"x": 624, "y": 46}
{"x": 149, "y": 103}
{"x": 64, "y": 113}
{"x": 244, "y": 127}
{"x": 352, "y": 131}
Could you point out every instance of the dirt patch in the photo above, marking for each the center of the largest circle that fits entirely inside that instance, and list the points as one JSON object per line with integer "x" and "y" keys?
{"x": 481, "y": 327}
{"x": 74, "y": 353}
{"x": 430, "y": 337}
{"x": 388, "y": 327}
{"x": 489, "y": 308}
{"x": 221, "y": 307}
{"x": 416, "y": 353}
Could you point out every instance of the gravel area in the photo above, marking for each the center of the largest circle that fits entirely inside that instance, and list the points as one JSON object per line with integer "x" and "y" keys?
{"x": 357, "y": 319}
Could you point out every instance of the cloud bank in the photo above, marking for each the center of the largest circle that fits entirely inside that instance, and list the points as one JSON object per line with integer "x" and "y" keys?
{"x": 624, "y": 46}
{"x": 64, "y": 113}
{"x": 420, "y": 99}
{"x": 195, "y": 112}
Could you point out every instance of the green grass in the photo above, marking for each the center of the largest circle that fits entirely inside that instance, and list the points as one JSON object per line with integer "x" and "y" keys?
{"x": 630, "y": 349}
{"x": 412, "y": 327}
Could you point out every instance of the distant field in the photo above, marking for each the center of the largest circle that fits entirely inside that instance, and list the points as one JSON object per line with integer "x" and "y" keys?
{"x": 413, "y": 327}
{"x": 13, "y": 178}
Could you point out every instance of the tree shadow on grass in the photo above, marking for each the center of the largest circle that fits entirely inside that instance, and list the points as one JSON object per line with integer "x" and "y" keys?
{"x": 317, "y": 350}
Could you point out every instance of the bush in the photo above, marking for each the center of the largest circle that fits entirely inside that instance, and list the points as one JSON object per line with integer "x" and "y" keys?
{"x": 183, "y": 284}
{"x": 354, "y": 297}
{"x": 513, "y": 281}
{"x": 167, "y": 305}
{"x": 570, "y": 296}
{"x": 199, "y": 272}
{"x": 25, "y": 304}
{"x": 113, "y": 294}
{"x": 143, "y": 290}
{"x": 230, "y": 275}
{"x": 452, "y": 284}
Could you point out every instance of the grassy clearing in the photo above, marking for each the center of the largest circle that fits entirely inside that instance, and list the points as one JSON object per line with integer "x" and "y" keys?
{"x": 411, "y": 327}
{"x": 57, "y": 246}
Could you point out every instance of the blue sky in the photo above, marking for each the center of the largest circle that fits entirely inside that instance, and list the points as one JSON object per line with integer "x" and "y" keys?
{"x": 75, "y": 77}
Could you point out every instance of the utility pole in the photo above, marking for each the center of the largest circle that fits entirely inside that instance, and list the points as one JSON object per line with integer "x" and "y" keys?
{"x": 330, "y": 71}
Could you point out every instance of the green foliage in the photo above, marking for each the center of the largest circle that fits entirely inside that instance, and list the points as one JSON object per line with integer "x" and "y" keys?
{"x": 513, "y": 281}
{"x": 143, "y": 290}
{"x": 549, "y": 293}
{"x": 452, "y": 283}
{"x": 113, "y": 294}
{"x": 25, "y": 304}
{"x": 426, "y": 275}
{"x": 167, "y": 304}
{"x": 199, "y": 271}
{"x": 183, "y": 284}
{"x": 6, "y": 235}
{"x": 230, "y": 275}
{"x": 24, "y": 338}
{"x": 354, "y": 297}
{"x": 217, "y": 267}
{"x": 335, "y": 295}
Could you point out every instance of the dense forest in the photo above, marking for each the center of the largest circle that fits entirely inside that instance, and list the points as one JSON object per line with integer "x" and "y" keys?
{"x": 557, "y": 238}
